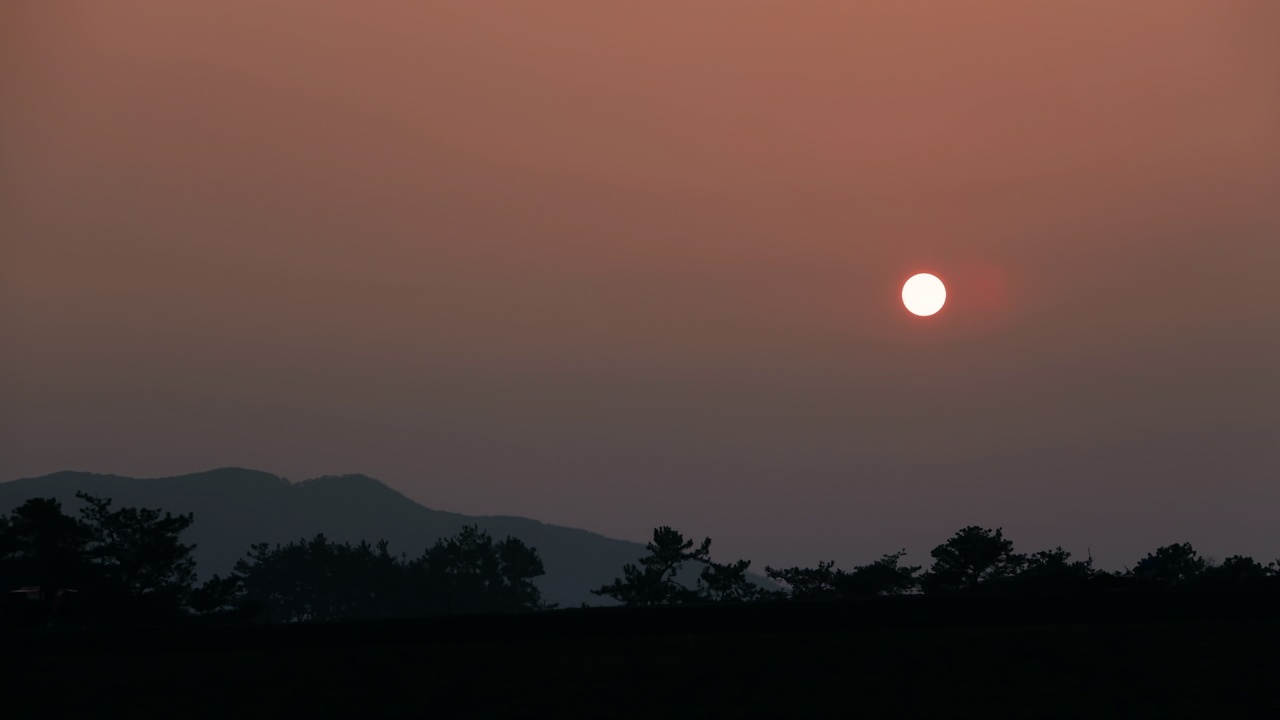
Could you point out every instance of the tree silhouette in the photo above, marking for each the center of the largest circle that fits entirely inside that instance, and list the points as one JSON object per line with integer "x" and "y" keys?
{"x": 41, "y": 546}
{"x": 882, "y": 577}
{"x": 653, "y": 581}
{"x": 133, "y": 565}
{"x": 473, "y": 573}
{"x": 220, "y": 598}
{"x": 140, "y": 555}
{"x": 1052, "y": 571}
{"x": 1236, "y": 572}
{"x": 807, "y": 583}
{"x": 1171, "y": 565}
{"x": 729, "y": 583}
{"x": 519, "y": 565}
{"x": 129, "y": 562}
{"x": 974, "y": 557}
{"x": 319, "y": 580}
{"x": 312, "y": 580}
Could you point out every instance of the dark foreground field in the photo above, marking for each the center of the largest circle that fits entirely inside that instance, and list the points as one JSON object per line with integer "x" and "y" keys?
{"x": 1141, "y": 657}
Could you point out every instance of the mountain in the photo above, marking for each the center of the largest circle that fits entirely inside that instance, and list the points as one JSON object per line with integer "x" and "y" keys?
{"x": 235, "y": 508}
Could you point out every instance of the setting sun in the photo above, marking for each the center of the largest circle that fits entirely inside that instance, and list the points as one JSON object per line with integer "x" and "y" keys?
{"x": 924, "y": 294}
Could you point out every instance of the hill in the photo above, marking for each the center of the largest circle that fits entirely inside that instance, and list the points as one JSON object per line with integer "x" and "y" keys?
{"x": 235, "y": 508}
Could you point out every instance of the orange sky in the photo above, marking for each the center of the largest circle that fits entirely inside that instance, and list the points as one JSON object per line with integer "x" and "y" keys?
{"x": 616, "y": 265}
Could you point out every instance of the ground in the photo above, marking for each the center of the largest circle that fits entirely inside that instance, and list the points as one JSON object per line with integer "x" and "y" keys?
{"x": 919, "y": 660}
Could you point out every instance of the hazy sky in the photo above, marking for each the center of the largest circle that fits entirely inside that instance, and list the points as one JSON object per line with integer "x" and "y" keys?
{"x": 622, "y": 264}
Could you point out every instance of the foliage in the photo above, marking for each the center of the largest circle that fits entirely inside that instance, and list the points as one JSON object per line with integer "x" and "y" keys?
{"x": 729, "y": 583}
{"x": 1049, "y": 571}
{"x": 129, "y": 561}
{"x": 320, "y": 580}
{"x": 806, "y": 583}
{"x": 1236, "y": 572}
{"x": 972, "y": 558}
{"x": 139, "y": 554}
{"x": 42, "y": 546}
{"x": 654, "y": 580}
{"x": 220, "y": 597}
{"x": 882, "y": 577}
{"x": 470, "y": 571}
{"x": 1171, "y": 565}
{"x": 133, "y": 565}
{"x": 310, "y": 580}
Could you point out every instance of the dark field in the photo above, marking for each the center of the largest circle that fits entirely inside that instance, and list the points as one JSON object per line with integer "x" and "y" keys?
{"x": 1139, "y": 657}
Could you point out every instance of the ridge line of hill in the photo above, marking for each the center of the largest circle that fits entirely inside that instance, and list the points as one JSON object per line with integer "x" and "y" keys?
{"x": 236, "y": 507}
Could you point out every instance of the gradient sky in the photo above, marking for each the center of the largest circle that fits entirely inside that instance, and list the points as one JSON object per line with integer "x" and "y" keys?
{"x": 622, "y": 264}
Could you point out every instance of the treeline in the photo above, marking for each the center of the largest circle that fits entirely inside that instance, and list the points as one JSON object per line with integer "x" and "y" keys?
{"x": 973, "y": 561}
{"x": 129, "y": 565}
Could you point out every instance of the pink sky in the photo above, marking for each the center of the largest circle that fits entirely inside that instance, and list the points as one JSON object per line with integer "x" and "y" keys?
{"x": 616, "y": 265}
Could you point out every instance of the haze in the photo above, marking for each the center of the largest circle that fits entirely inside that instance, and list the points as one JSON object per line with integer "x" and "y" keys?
{"x": 618, "y": 265}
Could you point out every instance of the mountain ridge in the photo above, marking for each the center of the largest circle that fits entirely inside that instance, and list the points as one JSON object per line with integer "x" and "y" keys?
{"x": 237, "y": 507}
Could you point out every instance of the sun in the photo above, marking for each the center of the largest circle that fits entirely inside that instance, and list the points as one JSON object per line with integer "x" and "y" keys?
{"x": 924, "y": 294}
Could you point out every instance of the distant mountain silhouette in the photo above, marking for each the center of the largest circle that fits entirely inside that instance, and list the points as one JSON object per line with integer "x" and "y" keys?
{"x": 235, "y": 508}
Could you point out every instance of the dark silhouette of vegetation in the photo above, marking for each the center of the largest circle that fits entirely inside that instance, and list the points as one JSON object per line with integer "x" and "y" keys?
{"x": 222, "y": 598}
{"x": 316, "y": 579}
{"x": 40, "y": 546}
{"x": 321, "y": 580}
{"x": 314, "y": 627}
{"x": 471, "y": 571}
{"x": 882, "y": 577}
{"x": 129, "y": 560}
{"x": 235, "y": 508}
{"x": 728, "y": 583}
{"x": 804, "y": 583}
{"x": 138, "y": 556}
{"x": 1171, "y": 565}
{"x": 129, "y": 565}
{"x": 1238, "y": 572}
{"x": 983, "y": 561}
{"x": 1052, "y": 571}
{"x": 655, "y": 580}
{"x": 972, "y": 559}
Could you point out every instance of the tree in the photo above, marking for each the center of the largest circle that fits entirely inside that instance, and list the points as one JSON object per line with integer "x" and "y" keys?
{"x": 473, "y": 573}
{"x": 41, "y": 546}
{"x": 806, "y": 583}
{"x": 520, "y": 564}
{"x": 274, "y": 577}
{"x": 315, "y": 580}
{"x": 882, "y": 577}
{"x": 319, "y": 580}
{"x": 128, "y": 562}
{"x": 729, "y": 583}
{"x": 1053, "y": 571}
{"x": 43, "y": 550}
{"x": 1235, "y": 572}
{"x": 653, "y": 581}
{"x": 140, "y": 555}
{"x": 974, "y": 557}
{"x": 218, "y": 597}
{"x": 1171, "y": 565}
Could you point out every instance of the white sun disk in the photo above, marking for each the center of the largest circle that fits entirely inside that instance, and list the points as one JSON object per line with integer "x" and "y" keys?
{"x": 924, "y": 294}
